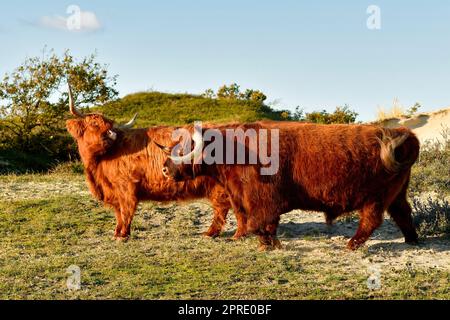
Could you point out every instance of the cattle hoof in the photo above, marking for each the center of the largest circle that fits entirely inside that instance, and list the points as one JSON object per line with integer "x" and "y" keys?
{"x": 265, "y": 247}
{"x": 353, "y": 244}
{"x": 122, "y": 239}
{"x": 412, "y": 242}
{"x": 211, "y": 234}
{"x": 277, "y": 244}
{"x": 238, "y": 236}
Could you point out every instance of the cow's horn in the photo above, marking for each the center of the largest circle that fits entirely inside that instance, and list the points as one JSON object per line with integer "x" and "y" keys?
{"x": 72, "y": 108}
{"x": 165, "y": 149}
{"x": 198, "y": 149}
{"x": 130, "y": 123}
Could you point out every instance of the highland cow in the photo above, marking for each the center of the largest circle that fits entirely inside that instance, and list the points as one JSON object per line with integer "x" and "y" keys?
{"x": 123, "y": 167}
{"x": 336, "y": 169}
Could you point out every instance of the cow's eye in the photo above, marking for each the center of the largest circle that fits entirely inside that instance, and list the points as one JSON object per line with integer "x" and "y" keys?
{"x": 111, "y": 134}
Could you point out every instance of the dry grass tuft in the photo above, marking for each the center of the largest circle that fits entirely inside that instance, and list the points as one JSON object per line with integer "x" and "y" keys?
{"x": 395, "y": 111}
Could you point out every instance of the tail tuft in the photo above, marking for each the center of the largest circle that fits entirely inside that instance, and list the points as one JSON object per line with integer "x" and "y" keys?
{"x": 388, "y": 144}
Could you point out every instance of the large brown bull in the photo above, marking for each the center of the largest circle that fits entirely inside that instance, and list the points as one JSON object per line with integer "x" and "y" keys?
{"x": 336, "y": 169}
{"x": 123, "y": 167}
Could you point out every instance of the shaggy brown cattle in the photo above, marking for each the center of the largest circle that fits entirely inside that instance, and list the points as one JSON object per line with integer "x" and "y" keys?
{"x": 331, "y": 168}
{"x": 123, "y": 167}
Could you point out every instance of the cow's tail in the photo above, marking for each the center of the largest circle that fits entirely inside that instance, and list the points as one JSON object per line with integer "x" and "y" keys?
{"x": 399, "y": 149}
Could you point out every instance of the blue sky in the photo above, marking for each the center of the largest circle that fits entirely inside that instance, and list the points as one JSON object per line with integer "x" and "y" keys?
{"x": 315, "y": 54}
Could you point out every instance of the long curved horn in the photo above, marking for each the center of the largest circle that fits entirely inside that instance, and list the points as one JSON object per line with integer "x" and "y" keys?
{"x": 130, "y": 123}
{"x": 198, "y": 149}
{"x": 72, "y": 108}
{"x": 166, "y": 150}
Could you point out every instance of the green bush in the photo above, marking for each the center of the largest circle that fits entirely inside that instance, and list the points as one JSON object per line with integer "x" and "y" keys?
{"x": 431, "y": 172}
{"x": 432, "y": 217}
{"x": 32, "y": 107}
{"x": 342, "y": 115}
{"x": 16, "y": 161}
{"x": 430, "y": 188}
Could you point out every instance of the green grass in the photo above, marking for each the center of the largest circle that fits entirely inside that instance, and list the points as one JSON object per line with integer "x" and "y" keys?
{"x": 49, "y": 222}
{"x": 156, "y": 108}
{"x": 44, "y": 232}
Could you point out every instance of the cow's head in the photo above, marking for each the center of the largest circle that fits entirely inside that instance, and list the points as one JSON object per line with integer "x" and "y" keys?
{"x": 94, "y": 133}
{"x": 181, "y": 167}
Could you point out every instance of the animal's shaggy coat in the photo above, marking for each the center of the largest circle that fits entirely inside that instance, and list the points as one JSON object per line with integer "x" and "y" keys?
{"x": 331, "y": 168}
{"x": 127, "y": 169}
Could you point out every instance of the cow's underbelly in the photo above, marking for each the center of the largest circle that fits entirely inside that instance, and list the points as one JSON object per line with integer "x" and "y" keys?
{"x": 335, "y": 195}
{"x": 171, "y": 191}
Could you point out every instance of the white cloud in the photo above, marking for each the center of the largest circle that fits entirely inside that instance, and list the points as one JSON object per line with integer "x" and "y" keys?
{"x": 54, "y": 22}
{"x": 77, "y": 21}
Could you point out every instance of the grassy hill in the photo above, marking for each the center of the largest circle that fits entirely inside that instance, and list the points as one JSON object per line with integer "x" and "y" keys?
{"x": 156, "y": 108}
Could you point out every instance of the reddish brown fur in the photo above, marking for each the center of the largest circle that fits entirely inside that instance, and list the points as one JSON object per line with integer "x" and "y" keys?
{"x": 128, "y": 170}
{"x": 336, "y": 169}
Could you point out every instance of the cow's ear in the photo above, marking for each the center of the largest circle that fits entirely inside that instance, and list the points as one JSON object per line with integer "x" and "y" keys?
{"x": 75, "y": 128}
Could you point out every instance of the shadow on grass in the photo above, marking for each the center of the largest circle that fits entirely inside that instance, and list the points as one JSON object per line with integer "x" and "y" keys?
{"x": 436, "y": 243}
{"x": 388, "y": 231}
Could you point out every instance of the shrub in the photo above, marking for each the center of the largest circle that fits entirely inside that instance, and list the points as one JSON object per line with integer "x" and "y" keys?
{"x": 431, "y": 171}
{"x": 431, "y": 175}
{"x": 32, "y": 110}
{"x": 431, "y": 217}
{"x": 233, "y": 92}
{"x": 342, "y": 114}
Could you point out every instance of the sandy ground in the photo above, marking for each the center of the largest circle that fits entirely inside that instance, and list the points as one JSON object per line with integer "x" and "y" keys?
{"x": 40, "y": 190}
{"x": 306, "y": 233}
{"x": 300, "y": 232}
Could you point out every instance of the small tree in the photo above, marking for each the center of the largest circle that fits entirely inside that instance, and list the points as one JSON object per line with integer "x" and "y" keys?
{"x": 299, "y": 114}
{"x": 231, "y": 92}
{"x": 285, "y": 115}
{"x": 413, "y": 110}
{"x": 209, "y": 93}
{"x": 253, "y": 95}
{"x": 32, "y": 106}
{"x": 343, "y": 115}
{"x": 340, "y": 115}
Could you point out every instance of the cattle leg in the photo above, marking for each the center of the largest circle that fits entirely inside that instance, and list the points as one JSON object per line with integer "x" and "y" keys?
{"x": 125, "y": 232}
{"x": 241, "y": 219}
{"x": 221, "y": 204}
{"x": 371, "y": 217}
{"x": 118, "y": 230}
{"x": 267, "y": 234}
{"x": 400, "y": 211}
{"x": 331, "y": 216}
{"x": 272, "y": 230}
{"x": 217, "y": 224}
{"x": 127, "y": 209}
{"x": 241, "y": 230}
